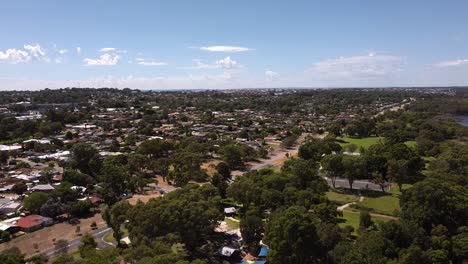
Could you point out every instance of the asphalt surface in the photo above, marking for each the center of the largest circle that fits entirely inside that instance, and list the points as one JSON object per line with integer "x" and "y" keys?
{"x": 75, "y": 243}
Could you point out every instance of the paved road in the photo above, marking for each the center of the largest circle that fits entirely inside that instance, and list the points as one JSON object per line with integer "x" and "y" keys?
{"x": 75, "y": 243}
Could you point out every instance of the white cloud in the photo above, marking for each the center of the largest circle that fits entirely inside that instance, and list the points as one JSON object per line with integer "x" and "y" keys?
{"x": 78, "y": 50}
{"x": 14, "y": 56}
{"x": 103, "y": 60}
{"x": 454, "y": 63}
{"x": 225, "y": 49}
{"x": 30, "y": 53}
{"x": 62, "y": 51}
{"x": 271, "y": 75}
{"x": 35, "y": 51}
{"x": 107, "y": 49}
{"x": 152, "y": 63}
{"x": 227, "y": 63}
{"x": 361, "y": 67}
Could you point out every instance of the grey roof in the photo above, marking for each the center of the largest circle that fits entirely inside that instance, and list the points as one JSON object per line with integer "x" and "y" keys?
{"x": 42, "y": 187}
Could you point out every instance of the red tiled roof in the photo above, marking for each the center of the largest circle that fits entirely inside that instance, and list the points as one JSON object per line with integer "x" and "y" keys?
{"x": 30, "y": 221}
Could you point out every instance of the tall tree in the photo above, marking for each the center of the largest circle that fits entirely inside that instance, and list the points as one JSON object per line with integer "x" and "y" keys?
{"x": 251, "y": 228}
{"x": 354, "y": 168}
{"x": 333, "y": 167}
{"x": 85, "y": 158}
{"x": 35, "y": 201}
{"x": 115, "y": 217}
{"x": 292, "y": 237}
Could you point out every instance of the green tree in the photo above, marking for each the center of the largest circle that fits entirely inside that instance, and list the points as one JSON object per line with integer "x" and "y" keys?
{"x": 115, "y": 217}
{"x": 85, "y": 158}
{"x": 81, "y": 208}
{"x": 154, "y": 148}
{"x": 87, "y": 243}
{"x": 435, "y": 202}
{"x": 292, "y": 237}
{"x": 19, "y": 187}
{"x": 220, "y": 183}
{"x": 114, "y": 179}
{"x": 34, "y": 202}
{"x": 315, "y": 149}
{"x": 303, "y": 171}
{"x": 77, "y": 178}
{"x": 12, "y": 256}
{"x": 197, "y": 214}
{"x": 365, "y": 220}
{"x": 333, "y": 167}
{"x": 224, "y": 170}
{"x": 233, "y": 156}
{"x": 251, "y": 228}
{"x": 354, "y": 168}
{"x": 52, "y": 208}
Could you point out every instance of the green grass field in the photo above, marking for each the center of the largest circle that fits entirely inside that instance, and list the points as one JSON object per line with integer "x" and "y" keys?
{"x": 352, "y": 219}
{"x": 367, "y": 142}
{"x": 359, "y": 142}
{"x": 387, "y": 204}
{"x": 341, "y": 198}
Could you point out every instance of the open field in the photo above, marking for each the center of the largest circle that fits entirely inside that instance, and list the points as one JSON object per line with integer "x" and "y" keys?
{"x": 342, "y": 198}
{"x": 352, "y": 219}
{"x": 365, "y": 142}
{"x": 349, "y": 219}
{"x": 386, "y": 203}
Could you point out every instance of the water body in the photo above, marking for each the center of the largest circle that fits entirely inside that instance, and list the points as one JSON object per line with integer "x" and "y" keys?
{"x": 462, "y": 120}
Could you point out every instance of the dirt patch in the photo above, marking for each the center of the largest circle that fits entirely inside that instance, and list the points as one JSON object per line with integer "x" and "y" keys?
{"x": 143, "y": 197}
{"x": 44, "y": 237}
{"x": 210, "y": 166}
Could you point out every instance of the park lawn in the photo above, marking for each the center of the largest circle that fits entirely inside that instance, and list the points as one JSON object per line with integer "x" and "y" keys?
{"x": 352, "y": 219}
{"x": 349, "y": 219}
{"x": 341, "y": 198}
{"x": 386, "y": 204}
{"x": 365, "y": 142}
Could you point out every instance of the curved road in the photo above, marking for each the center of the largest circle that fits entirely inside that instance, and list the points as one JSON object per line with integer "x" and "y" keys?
{"x": 75, "y": 243}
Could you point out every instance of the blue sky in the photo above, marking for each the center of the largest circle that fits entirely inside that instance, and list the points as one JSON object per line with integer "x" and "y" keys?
{"x": 232, "y": 44}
